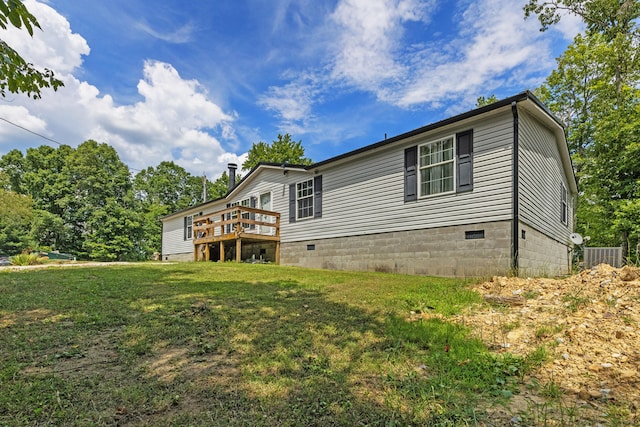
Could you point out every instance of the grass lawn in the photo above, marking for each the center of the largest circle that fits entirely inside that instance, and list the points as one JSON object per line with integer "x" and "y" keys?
{"x": 253, "y": 345}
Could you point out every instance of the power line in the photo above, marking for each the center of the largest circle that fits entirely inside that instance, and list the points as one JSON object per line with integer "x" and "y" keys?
{"x": 46, "y": 137}
{"x": 30, "y": 131}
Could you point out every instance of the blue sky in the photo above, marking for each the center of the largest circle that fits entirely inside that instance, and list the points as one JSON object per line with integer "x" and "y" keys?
{"x": 198, "y": 82}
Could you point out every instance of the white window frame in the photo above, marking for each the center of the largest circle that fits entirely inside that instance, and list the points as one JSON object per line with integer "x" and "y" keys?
{"x": 189, "y": 226}
{"x": 564, "y": 205}
{"x": 234, "y": 213}
{"x": 439, "y": 163}
{"x": 245, "y": 215}
{"x": 304, "y": 195}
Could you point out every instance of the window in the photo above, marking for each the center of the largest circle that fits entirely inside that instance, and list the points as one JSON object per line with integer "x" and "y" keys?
{"x": 439, "y": 167}
{"x": 436, "y": 161}
{"x": 234, "y": 214}
{"x": 245, "y": 215}
{"x": 304, "y": 199}
{"x": 564, "y": 207}
{"x": 188, "y": 227}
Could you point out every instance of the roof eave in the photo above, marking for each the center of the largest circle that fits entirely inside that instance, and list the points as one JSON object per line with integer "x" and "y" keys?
{"x": 460, "y": 117}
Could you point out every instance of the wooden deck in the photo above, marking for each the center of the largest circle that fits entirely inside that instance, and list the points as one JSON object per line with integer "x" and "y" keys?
{"x": 234, "y": 226}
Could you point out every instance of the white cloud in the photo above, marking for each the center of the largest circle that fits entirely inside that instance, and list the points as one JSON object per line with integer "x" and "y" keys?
{"x": 169, "y": 123}
{"x": 367, "y": 46}
{"x": 497, "y": 42}
{"x": 179, "y": 36}
{"x": 368, "y": 41}
{"x": 293, "y": 102}
{"x": 488, "y": 46}
{"x": 21, "y": 120}
{"x": 55, "y": 47}
{"x": 361, "y": 40}
{"x": 568, "y": 26}
{"x": 175, "y": 120}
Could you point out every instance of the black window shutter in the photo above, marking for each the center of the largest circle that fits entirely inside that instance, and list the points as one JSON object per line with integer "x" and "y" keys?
{"x": 292, "y": 203}
{"x": 562, "y": 215}
{"x": 464, "y": 151}
{"x": 561, "y": 203}
{"x": 184, "y": 233}
{"x": 228, "y": 217}
{"x": 317, "y": 196}
{"x": 411, "y": 174}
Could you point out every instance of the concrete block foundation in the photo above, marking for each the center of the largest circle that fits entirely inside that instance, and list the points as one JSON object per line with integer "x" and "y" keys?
{"x": 538, "y": 255}
{"x": 446, "y": 251}
{"x": 477, "y": 250}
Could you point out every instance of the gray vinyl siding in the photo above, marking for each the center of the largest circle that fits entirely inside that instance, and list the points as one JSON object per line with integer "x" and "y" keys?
{"x": 365, "y": 216}
{"x": 173, "y": 237}
{"x": 541, "y": 179}
{"x": 266, "y": 180}
{"x": 173, "y": 241}
{"x": 366, "y": 195}
{"x": 274, "y": 181}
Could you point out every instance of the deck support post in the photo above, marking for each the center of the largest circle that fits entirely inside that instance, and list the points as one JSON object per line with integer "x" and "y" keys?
{"x": 235, "y": 223}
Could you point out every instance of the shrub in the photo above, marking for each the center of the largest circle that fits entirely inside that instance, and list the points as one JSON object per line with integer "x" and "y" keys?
{"x": 27, "y": 259}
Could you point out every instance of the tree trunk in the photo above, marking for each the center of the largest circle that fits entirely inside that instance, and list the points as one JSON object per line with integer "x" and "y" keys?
{"x": 625, "y": 247}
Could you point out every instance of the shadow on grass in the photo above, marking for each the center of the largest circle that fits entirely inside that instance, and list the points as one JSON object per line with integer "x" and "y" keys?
{"x": 153, "y": 346}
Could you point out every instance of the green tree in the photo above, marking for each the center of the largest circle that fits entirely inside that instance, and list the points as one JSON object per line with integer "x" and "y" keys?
{"x": 595, "y": 90}
{"x": 39, "y": 175}
{"x": 95, "y": 175}
{"x": 282, "y": 150}
{"x": 574, "y": 88}
{"x": 159, "y": 191}
{"x": 47, "y": 230}
{"x": 84, "y": 200}
{"x": 168, "y": 184}
{"x": 615, "y": 20}
{"x": 16, "y": 75}
{"x": 482, "y": 101}
{"x": 150, "y": 239}
{"x": 16, "y": 214}
{"x": 112, "y": 232}
{"x": 612, "y": 18}
{"x": 12, "y": 165}
{"x": 44, "y": 180}
{"x": 220, "y": 187}
{"x": 627, "y": 219}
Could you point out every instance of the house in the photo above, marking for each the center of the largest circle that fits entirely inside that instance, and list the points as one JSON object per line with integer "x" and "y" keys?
{"x": 487, "y": 192}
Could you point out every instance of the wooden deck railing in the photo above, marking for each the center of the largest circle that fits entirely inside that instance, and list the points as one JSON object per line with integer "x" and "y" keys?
{"x": 236, "y": 223}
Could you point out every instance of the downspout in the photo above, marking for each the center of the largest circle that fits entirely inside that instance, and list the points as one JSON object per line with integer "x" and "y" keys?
{"x": 515, "y": 225}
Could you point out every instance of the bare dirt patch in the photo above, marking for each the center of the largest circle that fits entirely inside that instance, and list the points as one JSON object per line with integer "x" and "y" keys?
{"x": 27, "y": 317}
{"x": 96, "y": 356}
{"x": 62, "y": 264}
{"x": 589, "y": 325}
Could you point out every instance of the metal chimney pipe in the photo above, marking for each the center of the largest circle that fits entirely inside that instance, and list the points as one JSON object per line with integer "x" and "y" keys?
{"x": 204, "y": 188}
{"x": 232, "y": 175}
